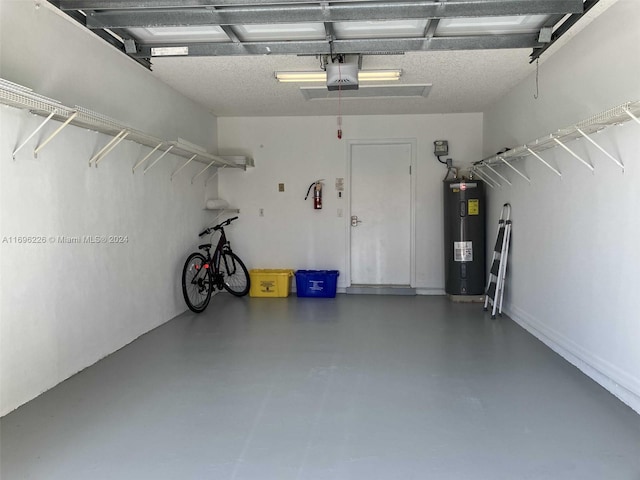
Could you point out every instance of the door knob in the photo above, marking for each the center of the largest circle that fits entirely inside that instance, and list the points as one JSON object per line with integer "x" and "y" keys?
{"x": 355, "y": 221}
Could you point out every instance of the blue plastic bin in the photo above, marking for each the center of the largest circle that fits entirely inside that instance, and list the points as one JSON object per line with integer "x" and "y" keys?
{"x": 316, "y": 283}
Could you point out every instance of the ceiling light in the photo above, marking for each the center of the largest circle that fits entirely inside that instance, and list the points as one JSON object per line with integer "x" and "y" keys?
{"x": 382, "y": 75}
{"x": 289, "y": 77}
{"x": 363, "y": 76}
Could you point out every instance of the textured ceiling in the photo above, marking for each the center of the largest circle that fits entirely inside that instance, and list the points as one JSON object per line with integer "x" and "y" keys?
{"x": 463, "y": 81}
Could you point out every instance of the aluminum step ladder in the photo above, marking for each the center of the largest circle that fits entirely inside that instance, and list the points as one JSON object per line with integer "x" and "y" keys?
{"x": 495, "y": 284}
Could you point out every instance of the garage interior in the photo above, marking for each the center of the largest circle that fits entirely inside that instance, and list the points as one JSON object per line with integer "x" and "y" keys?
{"x": 104, "y": 373}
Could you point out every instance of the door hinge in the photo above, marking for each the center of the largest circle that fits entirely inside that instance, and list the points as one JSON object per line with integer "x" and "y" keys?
{"x": 409, "y": 169}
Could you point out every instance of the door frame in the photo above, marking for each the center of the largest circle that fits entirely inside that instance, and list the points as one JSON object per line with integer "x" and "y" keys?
{"x": 412, "y": 142}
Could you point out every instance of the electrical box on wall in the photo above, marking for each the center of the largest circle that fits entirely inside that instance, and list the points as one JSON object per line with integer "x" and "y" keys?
{"x": 440, "y": 148}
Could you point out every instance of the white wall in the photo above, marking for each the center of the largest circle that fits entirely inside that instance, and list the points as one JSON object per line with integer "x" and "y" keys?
{"x": 55, "y": 56}
{"x": 297, "y": 151}
{"x": 573, "y": 273}
{"x": 65, "y": 306}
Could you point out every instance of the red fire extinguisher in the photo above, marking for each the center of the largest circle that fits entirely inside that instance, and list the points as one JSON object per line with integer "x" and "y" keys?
{"x": 317, "y": 194}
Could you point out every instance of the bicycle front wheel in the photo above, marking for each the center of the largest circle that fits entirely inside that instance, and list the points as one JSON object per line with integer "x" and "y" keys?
{"x": 235, "y": 275}
{"x": 196, "y": 282}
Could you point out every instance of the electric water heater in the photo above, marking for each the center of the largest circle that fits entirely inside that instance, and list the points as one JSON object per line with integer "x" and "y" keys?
{"x": 464, "y": 236}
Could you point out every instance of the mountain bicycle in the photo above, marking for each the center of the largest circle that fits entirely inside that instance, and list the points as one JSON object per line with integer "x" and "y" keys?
{"x": 203, "y": 273}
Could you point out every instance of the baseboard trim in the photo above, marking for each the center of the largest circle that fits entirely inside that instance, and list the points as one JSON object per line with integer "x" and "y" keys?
{"x": 429, "y": 291}
{"x": 380, "y": 290}
{"x": 624, "y": 386}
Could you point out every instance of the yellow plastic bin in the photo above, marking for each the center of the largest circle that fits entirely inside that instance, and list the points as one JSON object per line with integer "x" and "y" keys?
{"x": 270, "y": 283}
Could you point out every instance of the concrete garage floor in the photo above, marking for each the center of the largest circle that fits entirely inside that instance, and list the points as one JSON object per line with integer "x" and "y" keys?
{"x": 360, "y": 387}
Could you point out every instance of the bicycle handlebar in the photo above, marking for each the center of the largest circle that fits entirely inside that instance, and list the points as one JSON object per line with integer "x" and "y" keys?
{"x": 217, "y": 227}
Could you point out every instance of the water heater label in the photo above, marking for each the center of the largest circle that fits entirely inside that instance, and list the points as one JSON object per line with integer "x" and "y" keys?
{"x": 474, "y": 207}
{"x": 463, "y": 251}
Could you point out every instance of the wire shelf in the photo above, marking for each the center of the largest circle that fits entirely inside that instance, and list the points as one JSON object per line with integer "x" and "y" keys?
{"x": 613, "y": 116}
{"x": 18, "y": 96}
{"x": 187, "y": 151}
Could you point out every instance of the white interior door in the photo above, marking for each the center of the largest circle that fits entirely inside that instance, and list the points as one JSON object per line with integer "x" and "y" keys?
{"x": 381, "y": 214}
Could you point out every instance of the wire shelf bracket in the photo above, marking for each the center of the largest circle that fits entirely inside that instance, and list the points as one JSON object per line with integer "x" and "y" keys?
{"x": 38, "y": 128}
{"x": 498, "y": 174}
{"x": 53, "y": 135}
{"x": 157, "y": 159}
{"x": 486, "y": 179}
{"x": 597, "y": 145}
{"x": 214, "y": 175}
{"x": 515, "y": 170}
{"x": 574, "y": 155}
{"x": 133, "y": 170}
{"x": 544, "y": 162}
{"x": 202, "y": 171}
{"x": 633, "y": 117}
{"x": 495, "y": 182}
{"x": 111, "y": 145}
{"x": 184, "y": 165}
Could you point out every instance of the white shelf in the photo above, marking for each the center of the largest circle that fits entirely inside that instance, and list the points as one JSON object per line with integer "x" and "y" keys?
{"x": 614, "y": 116}
{"x": 187, "y": 151}
{"x": 17, "y": 96}
{"x": 240, "y": 160}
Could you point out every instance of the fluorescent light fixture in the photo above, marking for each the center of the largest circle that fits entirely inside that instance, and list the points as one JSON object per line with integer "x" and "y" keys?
{"x": 318, "y": 77}
{"x": 280, "y": 32}
{"x": 291, "y": 77}
{"x": 169, "y": 51}
{"x": 380, "y": 29}
{"x": 381, "y": 75}
{"x": 178, "y": 35}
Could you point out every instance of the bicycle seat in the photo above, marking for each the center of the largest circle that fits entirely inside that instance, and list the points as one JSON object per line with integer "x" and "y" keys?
{"x": 205, "y": 246}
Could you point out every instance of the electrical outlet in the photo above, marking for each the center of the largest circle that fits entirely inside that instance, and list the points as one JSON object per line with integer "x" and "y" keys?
{"x": 281, "y": 187}
{"x": 261, "y": 212}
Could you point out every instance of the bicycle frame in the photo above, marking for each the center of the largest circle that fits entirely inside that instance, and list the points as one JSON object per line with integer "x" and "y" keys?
{"x": 216, "y": 277}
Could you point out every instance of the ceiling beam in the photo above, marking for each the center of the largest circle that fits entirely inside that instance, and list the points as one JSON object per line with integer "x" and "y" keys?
{"x": 98, "y": 17}
{"x": 179, "y": 4}
{"x": 431, "y": 28}
{"x": 141, "y": 4}
{"x": 355, "y": 46}
{"x": 230, "y": 33}
{"x": 108, "y": 37}
{"x": 329, "y": 32}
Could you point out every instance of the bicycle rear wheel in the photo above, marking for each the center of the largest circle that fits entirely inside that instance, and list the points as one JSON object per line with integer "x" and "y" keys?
{"x": 235, "y": 275}
{"x": 196, "y": 282}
